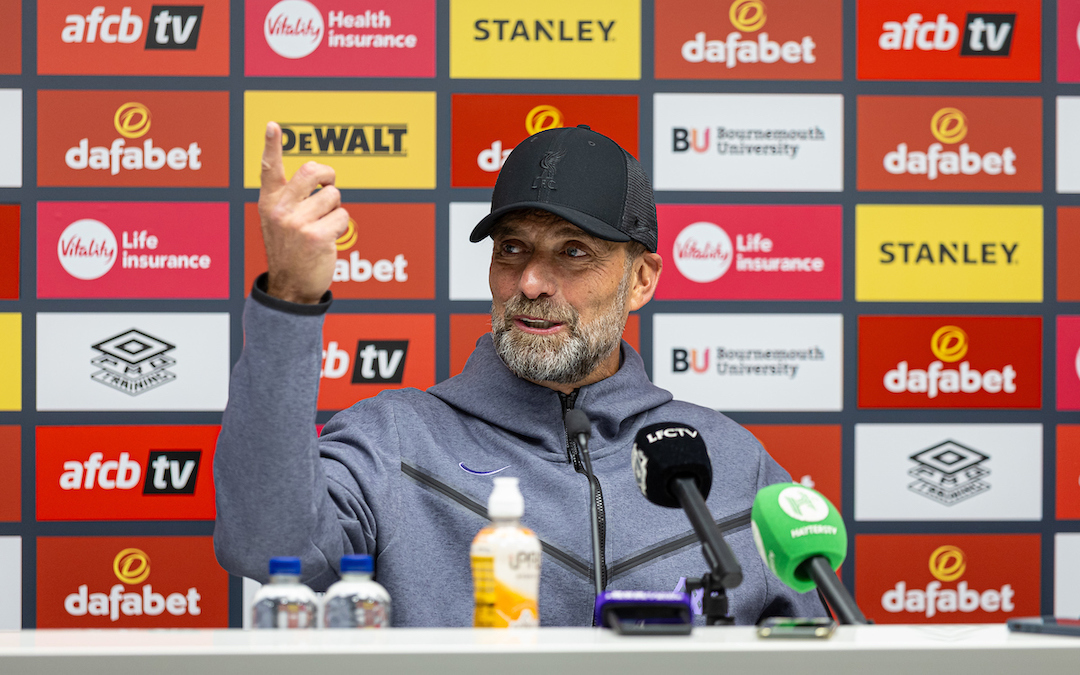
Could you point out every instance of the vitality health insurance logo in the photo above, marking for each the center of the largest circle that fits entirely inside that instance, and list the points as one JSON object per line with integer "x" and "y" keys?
{"x": 948, "y": 253}
{"x": 129, "y": 138}
{"x": 131, "y": 361}
{"x": 372, "y": 139}
{"x": 132, "y": 250}
{"x": 949, "y": 40}
{"x": 750, "y": 361}
{"x": 340, "y": 38}
{"x": 388, "y": 251}
{"x": 748, "y": 142}
{"x": 947, "y": 578}
{"x": 486, "y": 127}
{"x": 950, "y": 362}
{"x": 751, "y": 252}
{"x": 364, "y": 354}
{"x": 1068, "y": 41}
{"x": 948, "y": 472}
{"x": 752, "y": 39}
{"x": 125, "y": 473}
{"x": 133, "y": 37}
{"x": 130, "y": 582}
{"x": 950, "y": 143}
{"x": 559, "y": 39}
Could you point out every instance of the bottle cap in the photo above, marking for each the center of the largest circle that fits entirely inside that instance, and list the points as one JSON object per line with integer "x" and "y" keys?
{"x": 357, "y": 563}
{"x": 284, "y": 565}
{"x": 506, "y": 500}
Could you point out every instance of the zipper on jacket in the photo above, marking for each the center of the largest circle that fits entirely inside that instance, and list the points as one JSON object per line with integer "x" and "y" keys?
{"x": 573, "y": 456}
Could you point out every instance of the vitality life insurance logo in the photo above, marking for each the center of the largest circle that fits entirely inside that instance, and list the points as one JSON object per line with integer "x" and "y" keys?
{"x": 557, "y": 39}
{"x": 950, "y": 143}
{"x": 132, "y": 250}
{"x": 751, "y": 252}
{"x": 994, "y": 40}
{"x": 947, "y": 578}
{"x": 130, "y": 582}
{"x": 486, "y": 127}
{"x": 133, "y": 138}
{"x": 132, "y": 37}
{"x": 950, "y": 362}
{"x": 752, "y": 39}
{"x": 371, "y": 139}
{"x": 125, "y": 473}
{"x": 340, "y": 38}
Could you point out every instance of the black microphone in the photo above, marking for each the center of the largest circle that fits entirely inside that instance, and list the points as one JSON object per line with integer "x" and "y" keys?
{"x": 579, "y": 429}
{"x": 672, "y": 469}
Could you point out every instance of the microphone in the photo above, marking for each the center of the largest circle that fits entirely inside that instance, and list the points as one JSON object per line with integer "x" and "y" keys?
{"x": 801, "y": 537}
{"x": 579, "y": 428}
{"x": 672, "y": 469}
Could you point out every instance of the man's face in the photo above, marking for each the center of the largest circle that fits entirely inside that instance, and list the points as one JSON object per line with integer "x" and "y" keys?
{"x": 559, "y": 298}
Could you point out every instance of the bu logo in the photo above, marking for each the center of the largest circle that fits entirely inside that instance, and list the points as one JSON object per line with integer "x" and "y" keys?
{"x": 549, "y": 164}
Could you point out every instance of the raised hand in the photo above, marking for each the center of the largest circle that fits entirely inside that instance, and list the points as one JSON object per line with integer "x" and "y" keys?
{"x": 299, "y": 228}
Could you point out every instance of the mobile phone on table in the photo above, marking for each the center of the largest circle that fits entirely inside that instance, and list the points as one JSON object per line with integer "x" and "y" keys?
{"x": 1046, "y": 624}
{"x": 786, "y": 627}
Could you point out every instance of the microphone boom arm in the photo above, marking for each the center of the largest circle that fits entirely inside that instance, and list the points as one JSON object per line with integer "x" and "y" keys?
{"x": 724, "y": 570}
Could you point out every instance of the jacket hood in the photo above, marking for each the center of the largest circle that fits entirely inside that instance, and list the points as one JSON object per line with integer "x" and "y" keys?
{"x": 490, "y": 391}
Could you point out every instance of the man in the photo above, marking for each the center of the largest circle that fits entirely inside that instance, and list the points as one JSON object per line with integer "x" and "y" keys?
{"x": 404, "y": 476}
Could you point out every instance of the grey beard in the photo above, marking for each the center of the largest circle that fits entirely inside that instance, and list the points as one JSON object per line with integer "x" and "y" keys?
{"x": 564, "y": 359}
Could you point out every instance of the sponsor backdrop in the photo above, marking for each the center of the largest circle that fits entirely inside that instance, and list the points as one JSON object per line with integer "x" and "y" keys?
{"x": 869, "y": 219}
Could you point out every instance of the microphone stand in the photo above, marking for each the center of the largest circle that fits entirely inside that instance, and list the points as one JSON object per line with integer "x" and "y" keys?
{"x": 724, "y": 570}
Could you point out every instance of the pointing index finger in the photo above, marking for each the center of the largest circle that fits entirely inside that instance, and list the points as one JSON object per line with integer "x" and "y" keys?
{"x": 273, "y": 172}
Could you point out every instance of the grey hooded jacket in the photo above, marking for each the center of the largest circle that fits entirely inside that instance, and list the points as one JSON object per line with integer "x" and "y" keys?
{"x": 400, "y": 477}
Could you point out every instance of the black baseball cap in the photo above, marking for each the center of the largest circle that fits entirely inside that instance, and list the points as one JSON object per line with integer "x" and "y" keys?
{"x": 579, "y": 175}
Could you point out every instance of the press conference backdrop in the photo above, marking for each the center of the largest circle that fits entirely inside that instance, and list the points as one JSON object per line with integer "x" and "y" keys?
{"x": 869, "y": 216}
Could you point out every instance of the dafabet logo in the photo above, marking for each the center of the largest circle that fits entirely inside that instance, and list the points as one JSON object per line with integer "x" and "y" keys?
{"x": 948, "y": 253}
{"x": 130, "y": 582}
{"x": 372, "y": 139}
{"x": 388, "y": 251}
{"x": 125, "y": 473}
{"x": 950, "y": 143}
{"x": 950, "y": 362}
{"x": 486, "y": 127}
{"x": 991, "y": 40}
{"x": 947, "y": 578}
{"x": 364, "y": 354}
{"x": 340, "y": 38}
{"x": 753, "y": 39}
{"x": 133, "y": 138}
{"x": 9, "y": 251}
{"x": 132, "y": 250}
{"x": 559, "y": 39}
{"x": 751, "y": 252}
{"x": 133, "y": 37}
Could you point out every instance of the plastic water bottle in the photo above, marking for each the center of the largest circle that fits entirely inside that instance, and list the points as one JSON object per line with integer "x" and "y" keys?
{"x": 284, "y": 602}
{"x": 506, "y": 563}
{"x": 356, "y": 601}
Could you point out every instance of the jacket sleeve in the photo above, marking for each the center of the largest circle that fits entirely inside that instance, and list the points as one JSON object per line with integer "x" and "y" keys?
{"x": 277, "y": 492}
{"x": 781, "y": 600}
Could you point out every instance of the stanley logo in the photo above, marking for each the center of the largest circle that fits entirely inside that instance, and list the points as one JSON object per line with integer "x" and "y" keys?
{"x": 343, "y": 140}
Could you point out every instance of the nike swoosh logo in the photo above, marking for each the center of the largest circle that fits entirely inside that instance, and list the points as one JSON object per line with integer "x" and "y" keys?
{"x": 481, "y": 473}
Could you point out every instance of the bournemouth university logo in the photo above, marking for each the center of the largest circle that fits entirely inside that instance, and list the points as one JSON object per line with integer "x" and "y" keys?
{"x": 947, "y": 564}
{"x": 133, "y": 362}
{"x": 132, "y": 121}
{"x": 131, "y": 566}
{"x": 748, "y": 16}
{"x": 949, "y": 473}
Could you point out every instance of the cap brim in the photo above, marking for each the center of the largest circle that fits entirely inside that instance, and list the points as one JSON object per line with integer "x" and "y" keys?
{"x": 590, "y": 224}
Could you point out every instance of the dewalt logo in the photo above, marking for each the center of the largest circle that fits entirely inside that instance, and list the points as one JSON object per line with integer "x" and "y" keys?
{"x": 343, "y": 140}
{"x": 747, "y": 15}
{"x": 131, "y": 566}
{"x": 947, "y": 563}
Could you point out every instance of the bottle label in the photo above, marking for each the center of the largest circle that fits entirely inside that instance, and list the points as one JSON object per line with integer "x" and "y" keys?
{"x": 506, "y": 578}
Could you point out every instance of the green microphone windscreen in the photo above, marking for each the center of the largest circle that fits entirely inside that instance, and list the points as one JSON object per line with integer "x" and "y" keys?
{"x": 792, "y": 524}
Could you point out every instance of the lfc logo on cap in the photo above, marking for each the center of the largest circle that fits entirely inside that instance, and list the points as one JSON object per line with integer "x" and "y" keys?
{"x": 549, "y": 163}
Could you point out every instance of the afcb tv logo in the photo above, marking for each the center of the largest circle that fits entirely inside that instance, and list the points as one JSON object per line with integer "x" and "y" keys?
{"x": 172, "y": 27}
{"x": 375, "y": 362}
{"x": 170, "y": 472}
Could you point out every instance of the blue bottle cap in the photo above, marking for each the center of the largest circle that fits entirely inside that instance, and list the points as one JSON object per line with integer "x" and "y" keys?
{"x": 284, "y": 565}
{"x": 357, "y": 563}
